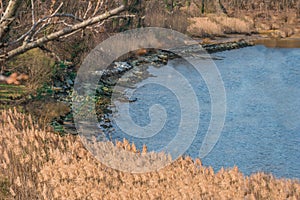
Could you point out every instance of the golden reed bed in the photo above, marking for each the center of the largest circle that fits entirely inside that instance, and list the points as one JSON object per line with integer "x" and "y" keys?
{"x": 42, "y": 165}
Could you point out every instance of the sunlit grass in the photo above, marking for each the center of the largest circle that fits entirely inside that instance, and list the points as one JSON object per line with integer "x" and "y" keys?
{"x": 42, "y": 165}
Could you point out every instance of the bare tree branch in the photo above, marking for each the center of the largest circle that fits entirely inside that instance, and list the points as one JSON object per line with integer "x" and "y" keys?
{"x": 8, "y": 17}
{"x": 87, "y": 10}
{"x": 32, "y": 31}
{"x": 32, "y": 12}
{"x": 36, "y": 43}
{"x": 1, "y": 7}
{"x": 98, "y": 7}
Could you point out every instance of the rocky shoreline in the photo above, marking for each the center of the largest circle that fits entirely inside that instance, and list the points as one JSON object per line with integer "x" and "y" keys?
{"x": 213, "y": 48}
{"x": 160, "y": 57}
{"x": 137, "y": 65}
{"x": 137, "y": 71}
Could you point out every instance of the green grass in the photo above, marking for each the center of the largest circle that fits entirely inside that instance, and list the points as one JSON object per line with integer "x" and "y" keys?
{"x": 4, "y": 188}
{"x": 9, "y": 94}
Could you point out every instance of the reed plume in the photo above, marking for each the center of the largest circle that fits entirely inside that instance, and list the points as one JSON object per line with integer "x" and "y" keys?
{"x": 43, "y": 165}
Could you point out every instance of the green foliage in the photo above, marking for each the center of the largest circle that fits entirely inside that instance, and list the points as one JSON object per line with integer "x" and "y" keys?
{"x": 4, "y": 188}
{"x": 43, "y": 92}
{"x": 188, "y": 3}
{"x": 57, "y": 127}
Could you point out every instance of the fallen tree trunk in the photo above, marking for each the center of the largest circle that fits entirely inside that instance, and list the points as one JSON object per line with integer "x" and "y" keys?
{"x": 36, "y": 43}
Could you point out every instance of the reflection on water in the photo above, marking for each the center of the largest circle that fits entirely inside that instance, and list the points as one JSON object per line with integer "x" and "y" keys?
{"x": 280, "y": 43}
{"x": 262, "y": 127}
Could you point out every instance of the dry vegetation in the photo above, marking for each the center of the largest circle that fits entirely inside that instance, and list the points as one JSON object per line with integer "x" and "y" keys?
{"x": 203, "y": 26}
{"x": 159, "y": 15}
{"x": 35, "y": 63}
{"x": 219, "y": 25}
{"x": 36, "y": 164}
{"x": 233, "y": 25}
{"x": 274, "y": 18}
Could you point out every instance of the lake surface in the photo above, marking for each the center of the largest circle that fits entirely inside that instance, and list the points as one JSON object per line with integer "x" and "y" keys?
{"x": 262, "y": 124}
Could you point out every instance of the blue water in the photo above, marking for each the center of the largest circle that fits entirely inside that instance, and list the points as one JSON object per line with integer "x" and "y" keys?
{"x": 262, "y": 124}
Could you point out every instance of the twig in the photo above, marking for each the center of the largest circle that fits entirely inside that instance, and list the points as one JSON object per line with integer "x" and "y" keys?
{"x": 59, "y": 7}
{"x": 98, "y": 7}
{"x": 122, "y": 16}
{"x": 28, "y": 35}
{"x": 42, "y": 47}
{"x": 68, "y": 35}
{"x": 43, "y": 26}
{"x": 30, "y": 45}
{"x": 87, "y": 10}
{"x": 1, "y": 8}
{"x": 32, "y": 12}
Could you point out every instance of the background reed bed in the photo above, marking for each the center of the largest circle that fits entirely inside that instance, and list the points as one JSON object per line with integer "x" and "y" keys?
{"x": 219, "y": 25}
{"x": 36, "y": 164}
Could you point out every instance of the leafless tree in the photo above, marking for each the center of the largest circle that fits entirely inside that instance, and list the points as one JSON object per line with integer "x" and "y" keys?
{"x": 25, "y": 25}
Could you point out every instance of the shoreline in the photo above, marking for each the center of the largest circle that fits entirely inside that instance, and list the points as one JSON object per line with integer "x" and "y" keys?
{"x": 255, "y": 39}
{"x": 63, "y": 167}
{"x": 161, "y": 57}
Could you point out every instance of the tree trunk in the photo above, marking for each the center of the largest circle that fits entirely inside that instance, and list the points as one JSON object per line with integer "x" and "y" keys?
{"x": 30, "y": 45}
{"x": 8, "y": 17}
{"x": 202, "y": 7}
{"x": 219, "y": 7}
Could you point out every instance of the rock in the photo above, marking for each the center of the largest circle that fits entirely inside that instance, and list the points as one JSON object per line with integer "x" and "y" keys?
{"x": 135, "y": 63}
{"x": 105, "y": 89}
{"x": 69, "y": 82}
{"x": 162, "y": 56}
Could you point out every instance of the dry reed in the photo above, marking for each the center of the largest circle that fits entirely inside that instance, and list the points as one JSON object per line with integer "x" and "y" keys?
{"x": 233, "y": 25}
{"x": 42, "y": 165}
{"x": 214, "y": 25}
{"x": 202, "y": 26}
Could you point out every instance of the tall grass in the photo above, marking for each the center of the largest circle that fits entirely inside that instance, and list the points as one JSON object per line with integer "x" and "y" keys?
{"x": 203, "y": 26}
{"x": 41, "y": 165}
{"x": 216, "y": 25}
{"x": 233, "y": 25}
